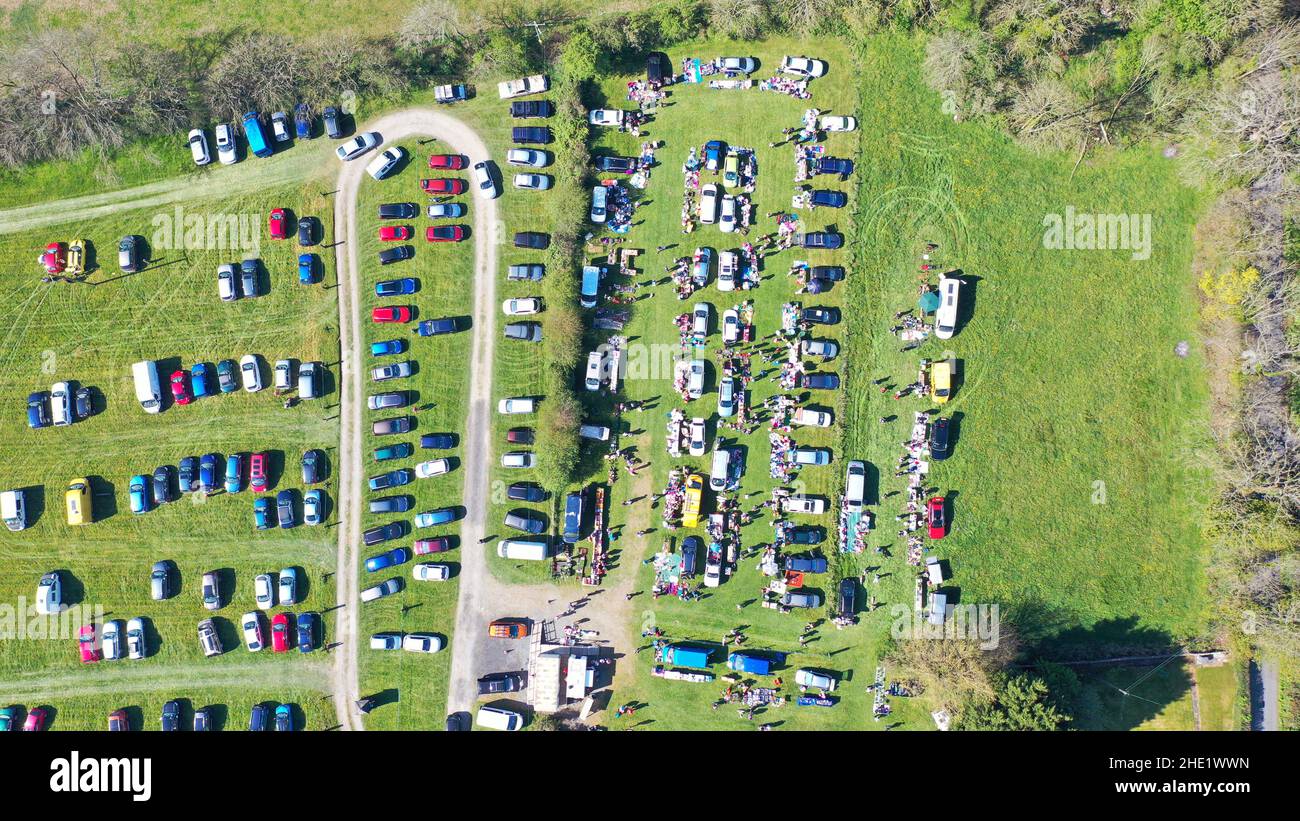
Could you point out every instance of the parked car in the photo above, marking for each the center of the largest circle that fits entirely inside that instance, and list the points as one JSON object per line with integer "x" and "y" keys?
{"x": 395, "y": 370}
{"x": 385, "y": 427}
{"x": 393, "y": 478}
{"x": 531, "y": 109}
{"x": 813, "y": 679}
{"x": 438, "y": 441}
{"x": 939, "y": 438}
{"x": 129, "y": 251}
{"x": 433, "y": 518}
{"x": 356, "y": 146}
{"x": 530, "y": 272}
{"x": 444, "y": 233}
{"x": 421, "y": 643}
{"x": 742, "y": 65}
{"x": 280, "y": 633}
{"x": 333, "y": 124}
{"x": 264, "y": 591}
{"x": 819, "y": 315}
{"x": 527, "y": 521}
{"x": 210, "y": 591}
{"x": 615, "y": 165}
{"x": 398, "y": 211}
{"x": 163, "y": 484}
{"x": 820, "y": 381}
{"x": 437, "y": 327}
{"x": 525, "y": 492}
{"x": 313, "y": 507}
{"x": 387, "y": 161}
{"x": 391, "y": 558}
{"x": 198, "y": 142}
{"x": 805, "y": 67}
{"x": 288, "y": 586}
{"x": 936, "y": 517}
{"x": 306, "y": 640}
{"x": 432, "y": 467}
{"x": 530, "y": 157}
{"x": 484, "y": 181}
{"x": 439, "y": 544}
{"x": 535, "y": 240}
{"x": 309, "y": 231}
{"x": 390, "y": 255}
{"x": 138, "y": 493}
{"x": 88, "y": 645}
{"x": 226, "y": 150}
{"x": 533, "y": 182}
{"x": 385, "y": 588}
{"x": 261, "y": 513}
{"x": 829, "y": 240}
{"x": 830, "y": 122}
{"x": 398, "y": 314}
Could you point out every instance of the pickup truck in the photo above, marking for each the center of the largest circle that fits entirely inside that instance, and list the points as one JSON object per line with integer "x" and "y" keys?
{"x": 453, "y": 93}
{"x": 522, "y": 86}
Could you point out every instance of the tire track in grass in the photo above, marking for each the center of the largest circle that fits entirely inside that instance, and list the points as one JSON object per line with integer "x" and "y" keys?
{"x": 130, "y": 677}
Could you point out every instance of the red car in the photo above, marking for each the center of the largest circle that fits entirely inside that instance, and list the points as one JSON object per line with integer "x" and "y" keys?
{"x": 257, "y": 472}
{"x": 438, "y": 545}
{"x": 443, "y": 185}
{"x": 88, "y": 644}
{"x": 277, "y": 224}
{"x": 281, "y": 627}
{"x": 938, "y": 525}
{"x": 35, "y": 720}
{"x": 118, "y": 722}
{"x": 54, "y": 259}
{"x": 444, "y": 233}
{"x": 393, "y": 233}
{"x": 401, "y": 313}
{"x": 454, "y": 162}
{"x": 180, "y": 388}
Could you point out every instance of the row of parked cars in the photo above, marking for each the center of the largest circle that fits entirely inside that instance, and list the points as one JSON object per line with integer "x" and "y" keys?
{"x": 74, "y": 258}
{"x": 255, "y": 134}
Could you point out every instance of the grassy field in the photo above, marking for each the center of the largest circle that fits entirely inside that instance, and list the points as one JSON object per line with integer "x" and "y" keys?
{"x": 441, "y": 380}
{"x": 90, "y": 334}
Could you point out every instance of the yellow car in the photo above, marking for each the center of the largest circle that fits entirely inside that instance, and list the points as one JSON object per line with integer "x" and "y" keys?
{"x": 941, "y": 382}
{"x": 76, "y": 257}
{"x": 77, "y": 501}
{"x": 694, "y": 500}
{"x": 731, "y": 170}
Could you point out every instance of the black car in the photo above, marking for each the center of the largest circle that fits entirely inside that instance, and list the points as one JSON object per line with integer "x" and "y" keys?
{"x": 309, "y": 231}
{"x": 333, "y": 123}
{"x": 383, "y": 427}
{"x": 530, "y": 109}
{"x": 162, "y": 484}
{"x": 390, "y": 255}
{"x": 820, "y": 381}
{"x": 248, "y": 277}
{"x": 82, "y": 406}
{"x": 834, "y": 273}
{"x": 202, "y": 720}
{"x": 616, "y": 165}
{"x": 526, "y": 492}
{"x": 521, "y": 436}
{"x": 808, "y": 534}
{"x": 189, "y": 474}
{"x": 171, "y": 717}
{"x": 539, "y": 134}
{"x": 532, "y": 239}
{"x": 529, "y": 521}
{"x": 848, "y": 597}
{"x": 494, "y": 683}
{"x": 398, "y": 211}
{"x": 383, "y": 533}
{"x": 939, "y": 432}
{"x": 438, "y": 441}
{"x": 690, "y": 553}
{"x": 313, "y": 467}
{"x": 284, "y": 513}
{"x": 391, "y": 504}
{"x": 829, "y": 240}
{"x": 259, "y": 720}
{"x": 821, "y": 316}
{"x": 658, "y": 68}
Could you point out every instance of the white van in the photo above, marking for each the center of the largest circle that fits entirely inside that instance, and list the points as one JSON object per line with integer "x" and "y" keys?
{"x": 799, "y": 503}
{"x": 526, "y": 549}
{"x": 719, "y": 475}
{"x": 945, "y": 319}
{"x": 61, "y": 403}
{"x": 595, "y": 370}
{"x": 497, "y": 719}
{"x": 13, "y": 509}
{"x": 146, "y": 385}
{"x": 855, "y": 486}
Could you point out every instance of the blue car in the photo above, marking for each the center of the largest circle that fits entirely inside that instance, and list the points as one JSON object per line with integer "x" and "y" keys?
{"x": 435, "y": 327}
{"x": 446, "y": 210}
{"x": 394, "y": 478}
{"x": 396, "y": 556}
{"x": 306, "y": 635}
{"x": 713, "y": 151}
{"x": 208, "y": 472}
{"x": 283, "y": 719}
{"x": 302, "y": 121}
{"x": 396, "y": 287}
{"x": 313, "y": 507}
{"x": 388, "y": 347}
{"x": 438, "y": 441}
{"x": 830, "y": 199}
{"x": 431, "y": 518}
{"x": 306, "y": 269}
{"x": 390, "y": 452}
{"x": 138, "y": 489}
{"x": 38, "y": 410}
{"x": 262, "y": 513}
{"x": 199, "y": 380}
{"x": 188, "y": 475}
{"x": 234, "y": 473}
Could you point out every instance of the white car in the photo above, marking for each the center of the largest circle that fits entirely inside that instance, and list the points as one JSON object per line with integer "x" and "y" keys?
{"x": 812, "y": 418}
{"x": 288, "y": 586}
{"x": 530, "y": 157}
{"x": 386, "y": 641}
{"x": 700, "y": 319}
{"x": 61, "y": 404}
{"x": 695, "y": 381}
{"x": 698, "y": 442}
{"x": 517, "y": 459}
{"x": 606, "y": 116}
{"x": 427, "y": 572}
{"x": 803, "y": 66}
{"x": 252, "y": 626}
{"x": 524, "y": 85}
{"x": 49, "y": 594}
{"x": 532, "y": 182}
{"x": 745, "y": 65}
{"x": 226, "y": 151}
{"x": 135, "y": 639}
{"x": 518, "y": 404}
{"x": 250, "y": 372}
{"x": 727, "y": 219}
{"x": 357, "y": 146}
{"x": 800, "y": 503}
{"x": 199, "y": 147}
{"x": 264, "y": 591}
{"x": 811, "y": 678}
{"x": 709, "y": 204}
{"x": 487, "y": 187}
{"x": 730, "y": 326}
{"x": 727, "y": 270}
{"x": 226, "y": 287}
{"x": 110, "y": 640}
{"x": 599, "y": 204}
{"x": 421, "y": 643}
{"x": 384, "y": 164}
{"x": 433, "y": 467}
{"x": 829, "y": 123}
{"x": 522, "y": 307}
{"x": 283, "y": 375}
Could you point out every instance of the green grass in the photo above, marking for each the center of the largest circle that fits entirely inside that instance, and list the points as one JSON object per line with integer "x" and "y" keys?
{"x": 1218, "y": 688}
{"x": 445, "y": 272}
{"x": 91, "y": 334}
{"x": 1137, "y": 698}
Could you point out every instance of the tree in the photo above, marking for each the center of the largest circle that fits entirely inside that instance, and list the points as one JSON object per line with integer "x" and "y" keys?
{"x": 1023, "y": 702}
{"x": 740, "y": 19}
{"x": 955, "y": 671}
